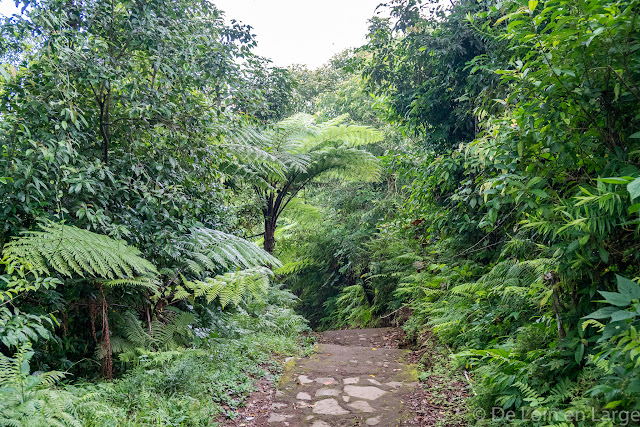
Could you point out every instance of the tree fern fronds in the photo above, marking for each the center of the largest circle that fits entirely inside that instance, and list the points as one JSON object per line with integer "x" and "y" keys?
{"x": 254, "y": 159}
{"x": 346, "y": 163}
{"x": 231, "y": 287}
{"x": 465, "y": 288}
{"x": 348, "y": 135}
{"x": 213, "y": 250}
{"x": 294, "y": 267}
{"x": 562, "y": 391}
{"x": 144, "y": 282}
{"x": 173, "y": 332}
{"x": 602, "y": 363}
{"x": 514, "y": 293}
{"x": 134, "y": 332}
{"x": 516, "y": 274}
{"x": 68, "y": 250}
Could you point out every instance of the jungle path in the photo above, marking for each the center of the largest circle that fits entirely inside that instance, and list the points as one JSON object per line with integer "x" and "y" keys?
{"x": 356, "y": 377}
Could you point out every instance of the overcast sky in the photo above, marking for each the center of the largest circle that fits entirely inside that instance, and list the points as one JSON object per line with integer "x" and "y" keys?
{"x": 294, "y": 31}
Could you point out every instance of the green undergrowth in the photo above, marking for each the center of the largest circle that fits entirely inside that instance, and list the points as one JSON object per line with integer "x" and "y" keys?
{"x": 199, "y": 383}
{"x": 190, "y": 387}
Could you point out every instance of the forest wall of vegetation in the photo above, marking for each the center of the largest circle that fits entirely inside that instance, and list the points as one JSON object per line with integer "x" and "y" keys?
{"x": 472, "y": 171}
{"x": 122, "y": 125}
{"x": 507, "y": 220}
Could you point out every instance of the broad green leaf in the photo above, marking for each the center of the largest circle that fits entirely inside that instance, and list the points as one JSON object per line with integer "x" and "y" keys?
{"x": 603, "y": 313}
{"x": 584, "y": 240}
{"x": 540, "y": 193}
{"x": 628, "y": 287}
{"x": 616, "y": 180}
{"x": 7, "y": 77}
{"x": 579, "y": 353}
{"x": 532, "y": 5}
{"x": 604, "y": 254}
{"x": 622, "y": 315}
{"x": 613, "y": 404}
{"x": 616, "y": 298}
{"x": 634, "y": 188}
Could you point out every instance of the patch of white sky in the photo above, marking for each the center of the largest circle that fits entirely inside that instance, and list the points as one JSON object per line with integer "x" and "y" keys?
{"x": 293, "y": 31}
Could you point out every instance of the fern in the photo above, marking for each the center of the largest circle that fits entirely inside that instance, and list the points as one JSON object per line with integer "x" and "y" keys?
{"x": 213, "y": 250}
{"x": 29, "y": 400}
{"x": 511, "y": 280}
{"x": 228, "y": 288}
{"x": 353, "y": 308}
{"x": 68, "y": 250}
{"x": 173, "y": 333}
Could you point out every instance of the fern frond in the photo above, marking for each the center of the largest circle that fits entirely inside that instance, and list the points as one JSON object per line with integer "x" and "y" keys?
{"x": 213, "y": 250}
{"x": 68, "y": 250}
{"x": 233, "y": 286}
{"x": 144, "y": 282}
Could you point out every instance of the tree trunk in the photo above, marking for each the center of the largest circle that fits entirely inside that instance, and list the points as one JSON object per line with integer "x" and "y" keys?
{"x": 556, "y": 308}
{"x": 269, "y": 234}
{"x": 551, "y": 279}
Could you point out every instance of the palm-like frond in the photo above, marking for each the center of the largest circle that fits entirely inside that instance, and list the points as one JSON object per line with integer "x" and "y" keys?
{"x": 248, "y": 148}
{"x": 345, "y": 163}
{"x": 213, "y": 250}
{"x": 68, "y": 250}
{"x": 508, "y": 278}
{"x": 230, "y": 287}
{"x": 298, "y": 142}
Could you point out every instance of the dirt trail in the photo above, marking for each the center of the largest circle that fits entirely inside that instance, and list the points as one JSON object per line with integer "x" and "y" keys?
{"x": 356, "y": 378}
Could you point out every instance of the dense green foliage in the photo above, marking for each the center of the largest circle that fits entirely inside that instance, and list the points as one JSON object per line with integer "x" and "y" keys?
{"x": 472, "y": 172}
{"x": 509, "y": 207}
{"x": 120, "y": 124}
{"x": 524, "y": 221}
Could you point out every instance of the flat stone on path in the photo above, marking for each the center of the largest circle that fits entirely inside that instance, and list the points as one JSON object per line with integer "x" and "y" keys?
{"x": 329, "y": 407}
{"x": 367, "y": 392}
{"x": 278, "y": 418}
{"x": 373, "y": 421}
{"x": 328, "y": 392}
{"x": 394, "y": 384}
{"x": 303, "y": 379}
{"x": 361, "y": 405}
{"x": 347, "y": 382}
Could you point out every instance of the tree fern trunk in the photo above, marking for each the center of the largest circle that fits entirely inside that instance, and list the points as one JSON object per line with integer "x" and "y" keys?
{"x": 269, "y": 234}
{"x": 107, "y": 361}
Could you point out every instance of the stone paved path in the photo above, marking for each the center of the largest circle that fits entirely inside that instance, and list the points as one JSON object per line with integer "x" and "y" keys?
{"x": 349, "y": 381}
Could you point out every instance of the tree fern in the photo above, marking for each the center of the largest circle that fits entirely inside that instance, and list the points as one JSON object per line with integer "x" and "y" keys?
{"x": 308, "y": 151}
{"x": 68, "y": 250}
{"x": 230, "y": 287}
{"x": 213, "y": 250}
{"x": 353, "y": 307}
